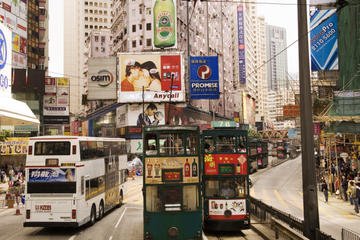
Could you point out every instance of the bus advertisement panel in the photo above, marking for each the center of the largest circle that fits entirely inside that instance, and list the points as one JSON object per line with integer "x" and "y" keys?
{"x": 225, "y": 164}
{"x": 52, "y": 175}
{"x": 160, "y": 170}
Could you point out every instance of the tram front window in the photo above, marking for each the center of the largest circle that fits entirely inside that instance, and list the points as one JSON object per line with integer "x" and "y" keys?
{"x": 153, "y": 201}
{"x": 172, "y": 198}
{"x": 227, "y": 188}
{"x": 171, "y": 144}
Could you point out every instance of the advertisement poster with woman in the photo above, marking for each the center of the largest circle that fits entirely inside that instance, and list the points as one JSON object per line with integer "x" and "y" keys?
{"x": 150, "y": 78}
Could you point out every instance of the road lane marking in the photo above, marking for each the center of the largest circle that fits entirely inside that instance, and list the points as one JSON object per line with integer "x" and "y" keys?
{"x": 138, "y": 202}
{"x": 121, "y": 217}
{"x": 297, "y": 203}
{"x": 280, "y": 198}
{"x": 135, "y": 190}
{"x": 266, "y": 197}
{"x": 134, "y": 197}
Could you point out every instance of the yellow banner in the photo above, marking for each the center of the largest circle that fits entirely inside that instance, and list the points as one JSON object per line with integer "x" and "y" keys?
{"x": 14, "y": 146}
{"x": 155, "y": 167}
{"x": 64, "y": 82}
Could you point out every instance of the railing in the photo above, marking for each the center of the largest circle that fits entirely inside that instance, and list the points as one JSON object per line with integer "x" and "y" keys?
{"x": 347, "y": 234}
{"x": 265, "y": 213}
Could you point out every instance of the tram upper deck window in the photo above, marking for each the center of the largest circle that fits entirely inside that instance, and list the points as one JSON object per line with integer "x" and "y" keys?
{"x": 209, "y": 144}
{"x": 241, "y": 144}
{"x": 192, "y": 143}
{"x": 225, "y": 144}
{"x": 150, "y": 144}
{"x": 171, "y": 144}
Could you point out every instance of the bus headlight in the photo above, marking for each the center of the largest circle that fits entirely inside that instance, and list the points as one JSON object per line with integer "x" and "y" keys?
{"x": 173, "y": 232}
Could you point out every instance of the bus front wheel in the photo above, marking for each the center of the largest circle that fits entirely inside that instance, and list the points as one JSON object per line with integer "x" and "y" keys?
{"x": 92, "y": 215}
{"x": 121, "y": 199}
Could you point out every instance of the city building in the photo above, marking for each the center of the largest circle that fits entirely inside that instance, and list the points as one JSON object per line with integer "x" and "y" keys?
{"x": 277, "y": 69}
{"x": 80, "y": 18}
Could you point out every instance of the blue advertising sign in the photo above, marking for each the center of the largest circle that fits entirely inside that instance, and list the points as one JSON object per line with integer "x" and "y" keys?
{"x": 204, "y": 77}
{"x": 324, "y": 43}
{"x": 241, "y": 44}
{"x": 52, "y": 175}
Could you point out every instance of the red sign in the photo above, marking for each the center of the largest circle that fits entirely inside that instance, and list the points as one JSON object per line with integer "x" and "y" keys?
{"x": 212, "y": 162}
{"x": 171, "y": 73}
{"x": 6, "y": 7}
{"x": 172, "y": 176}
{"x": 291, "y": 111}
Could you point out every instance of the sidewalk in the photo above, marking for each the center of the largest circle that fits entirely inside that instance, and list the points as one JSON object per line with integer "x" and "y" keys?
{"x": 338, "y": 203}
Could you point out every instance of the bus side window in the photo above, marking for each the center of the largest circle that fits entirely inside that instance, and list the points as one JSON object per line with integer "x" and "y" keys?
{"x": 87, "y": 191}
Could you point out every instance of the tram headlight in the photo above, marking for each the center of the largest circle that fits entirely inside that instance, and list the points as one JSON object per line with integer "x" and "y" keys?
{"x": 173, "y": 232}
{"x": 198, "y": 234}
{"x": 148, "y": 235}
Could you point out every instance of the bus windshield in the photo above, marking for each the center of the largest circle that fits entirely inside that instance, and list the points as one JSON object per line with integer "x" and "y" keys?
{"x": 52, "y": 148}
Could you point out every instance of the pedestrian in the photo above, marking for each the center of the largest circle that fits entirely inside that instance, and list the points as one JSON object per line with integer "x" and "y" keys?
{"x": 357, "y": 197}
{"x": 324, "y": 189}
{"x": 344, "y": 186}
{"x": 331, "y": 182}
{"x": 353, "y": 197}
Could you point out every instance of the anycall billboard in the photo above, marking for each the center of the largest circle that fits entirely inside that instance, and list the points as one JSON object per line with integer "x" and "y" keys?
{"x": 151, "y": 77}
{"x": 204, "y": 77}
{"x": 225, "y": 164}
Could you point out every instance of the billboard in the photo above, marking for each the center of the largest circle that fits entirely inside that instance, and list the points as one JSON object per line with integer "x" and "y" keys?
{"x": 56, "y": 96}
{"x": 164, "y": 22}
{"x": 154, "y": 114}
{"x": 204, "y": 77}
{"x": 324, "y": 40}
{"x": 5, "y": 61}
{"x": 102, "y": 78}
{"x": 241, "y": 44}
{"x": 14, "y": 146}
{"x": 158, "y": 74}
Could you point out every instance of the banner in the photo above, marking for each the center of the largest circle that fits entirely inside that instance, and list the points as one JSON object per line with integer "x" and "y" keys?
{"x": 241, "y": 44}
{"x": 204, "y": 77}
{"x": 324, "y": 40}
{"x": 160, "y": 75}
{"x": 14, "y": 146}
{"x": 52, "y": 175}
{"x": 5, "y": 61}
{"x": 225, "y": 164}
{"x": 102, "y": 78}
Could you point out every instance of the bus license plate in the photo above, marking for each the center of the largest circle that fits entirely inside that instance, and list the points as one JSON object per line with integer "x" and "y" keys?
{"x": 43, "y": 208}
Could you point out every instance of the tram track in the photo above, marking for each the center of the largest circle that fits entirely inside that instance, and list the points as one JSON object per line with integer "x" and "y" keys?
{"x": 245, "y": 234}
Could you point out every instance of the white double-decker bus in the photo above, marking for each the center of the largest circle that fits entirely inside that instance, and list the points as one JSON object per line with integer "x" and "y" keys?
{"x": 73, "y": 180}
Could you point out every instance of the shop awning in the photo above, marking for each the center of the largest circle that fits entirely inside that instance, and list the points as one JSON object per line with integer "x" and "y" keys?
{"x": 14, "y": 112}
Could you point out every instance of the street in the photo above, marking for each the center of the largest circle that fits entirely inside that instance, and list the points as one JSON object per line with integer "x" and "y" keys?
{"x": 281, "y": 187}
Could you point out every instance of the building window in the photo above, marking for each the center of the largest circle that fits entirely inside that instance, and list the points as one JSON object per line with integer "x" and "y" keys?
{"x": 148, "y": 11}
{"x": 102, "y": 49}
{"x": 148, "y": 42}
{"x": 105, "y": 12}
{"x": 96, "y": 38}
{"x": 91, "y": 3}
{"x": 134, "y": 44}
{"x": 100, "y": 11}
{"x": 105, "y": 20}
{"x": 86, "y": 34}
{"x": 134, "y": 28}
{"x": 148, "y": 26}
{"x": 102, "y": 39}
{"x": 91, "y": 11}
{"x": 96, "y": 49}
{"x": 95, "y": 11}
{"x": 140, "y": 10}
{"x": 86, "y": 26}
{"x": 86, "y": 3}
{"x": 125, "y": 31}
{"x": 140, "y": 42}
{"x": 86, "y": 11}
{"x": 86, "y": 18}
{"x": 140, "y": 26}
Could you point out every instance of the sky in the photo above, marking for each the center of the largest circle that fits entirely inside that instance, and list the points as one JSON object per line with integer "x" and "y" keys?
{"x": 275, "y": 14}
{"x": 283, "y": 16}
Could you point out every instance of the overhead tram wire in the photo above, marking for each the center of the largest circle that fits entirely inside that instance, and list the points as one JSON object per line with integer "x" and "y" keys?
{"x": 270, "y": 3}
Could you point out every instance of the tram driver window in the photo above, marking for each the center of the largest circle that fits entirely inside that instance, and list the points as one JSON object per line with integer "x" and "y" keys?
{"x": 153, "y": 201}
{"x": 190, "y": 198}
{"x": 172, "y": 198}
{"x": 220, "y": 188}
{"x": 225, "y": 144}
{"x": 241, "y": 187}
{"x": 150, "y": 144}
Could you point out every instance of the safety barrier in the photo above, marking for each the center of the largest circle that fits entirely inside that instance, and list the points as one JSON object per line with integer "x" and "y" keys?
{"x": 347, "y": 234}
{"x": 267, "y": 213}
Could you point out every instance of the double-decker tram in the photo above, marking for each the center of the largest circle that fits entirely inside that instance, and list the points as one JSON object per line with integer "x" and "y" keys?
{"x": 225, "y": 180}
{"x": 172, "y": 201}
{"x": 73, "y": 180}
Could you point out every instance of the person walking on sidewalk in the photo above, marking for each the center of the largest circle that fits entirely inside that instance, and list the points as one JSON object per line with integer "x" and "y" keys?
{"x": 324, "y": 189}
{"x": 344, "y": 185}
{"x": 353, "y": 196}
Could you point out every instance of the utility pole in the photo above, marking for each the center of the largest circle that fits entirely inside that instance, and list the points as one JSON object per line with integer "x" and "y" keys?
{"x": 311, "y": 212}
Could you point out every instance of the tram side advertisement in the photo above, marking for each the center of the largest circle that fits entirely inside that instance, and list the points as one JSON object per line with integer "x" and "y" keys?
{"x": 160, "y": 170}
{"x": 225, "y": 164}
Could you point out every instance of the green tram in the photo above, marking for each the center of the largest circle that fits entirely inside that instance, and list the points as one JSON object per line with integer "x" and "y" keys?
{"x": 171, "y": 180}
{"x": 225, "y": 180}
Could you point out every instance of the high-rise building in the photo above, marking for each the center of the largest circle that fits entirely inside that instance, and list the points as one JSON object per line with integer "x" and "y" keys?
{"x": 276, "y": 68}
{"x": 80, "y": 18}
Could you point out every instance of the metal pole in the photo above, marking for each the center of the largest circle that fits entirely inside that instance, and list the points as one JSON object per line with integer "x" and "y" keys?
{"x": 143, "y": 102}
{"x": 222, "y": 56}
{"x": 171, "y": 87}
{"x": 188, "y": 49}
{"x": 311, "y": 212}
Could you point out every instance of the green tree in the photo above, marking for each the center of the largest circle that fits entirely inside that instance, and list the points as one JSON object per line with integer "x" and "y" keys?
{"x": 4, "y": 134}
{"x": 254, "y": 135}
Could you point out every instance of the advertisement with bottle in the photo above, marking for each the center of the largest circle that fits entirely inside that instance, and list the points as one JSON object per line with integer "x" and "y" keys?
{"x": 164, "y": 22}
{"x": 188, "y": 168}
{"x": 218, "y": 164}
{"x": 217, "y": 208}
{"x": 150, "y": 77}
